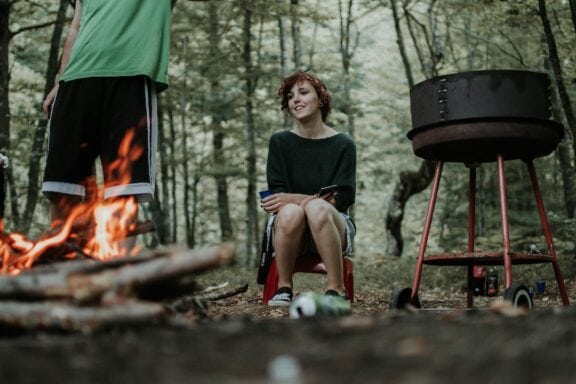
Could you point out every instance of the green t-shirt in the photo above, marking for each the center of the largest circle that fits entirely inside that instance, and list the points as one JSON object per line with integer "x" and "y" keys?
{"x": 299, "y": 165}
{"x": 122, "y": 38}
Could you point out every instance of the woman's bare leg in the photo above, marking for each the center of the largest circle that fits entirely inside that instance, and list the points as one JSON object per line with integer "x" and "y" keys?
{"x": 289, "y": 227}
{"x": 328, "y": 232}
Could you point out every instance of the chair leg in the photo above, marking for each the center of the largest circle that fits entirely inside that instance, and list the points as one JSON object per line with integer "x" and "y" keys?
{"x": 349, "y": 278}
{"x": 271, "y": 284}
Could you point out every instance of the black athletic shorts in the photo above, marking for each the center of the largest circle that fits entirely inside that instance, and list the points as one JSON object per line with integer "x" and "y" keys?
{"x": 91, "y": 118}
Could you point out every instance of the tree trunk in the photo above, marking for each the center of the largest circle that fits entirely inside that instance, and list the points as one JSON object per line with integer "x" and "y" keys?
{"x": 400, "y": 42}
{"x": 185, "y": 155}
{"x": 312, "y": 44}
{"x": 158, "y": 207}
{"x": 284, "y": 71}
{"x": 557, "y": 69}
{"x": 32, "y": 192}
{"x": 409, "y": 183}
{"x": 227, "y": 232}
{"x": 296, "y": 48}
{"x": 346, "y": 54}
{"x": 251, "y": 209}
{"x": 5, "y": 37}
{"x": 565, "y": 156}
{"x": 173, "y": 182}
{"x": 567, "y": 170}
{"x": 573, "y": 12}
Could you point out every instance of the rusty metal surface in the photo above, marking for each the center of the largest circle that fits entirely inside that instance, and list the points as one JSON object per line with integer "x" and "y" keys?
{"x": 485, "y": 258}
{"x": 479, "y": 95}
{"x": 482, "y": 141}
{"x": 474, "y": 116}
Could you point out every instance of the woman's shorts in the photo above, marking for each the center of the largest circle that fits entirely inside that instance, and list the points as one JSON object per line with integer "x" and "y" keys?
{"x": 309, "y": 246}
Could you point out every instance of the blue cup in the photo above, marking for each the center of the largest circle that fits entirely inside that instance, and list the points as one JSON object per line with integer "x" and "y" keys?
{"x": 264, "y": 194}
{"x": 540, "y": 286}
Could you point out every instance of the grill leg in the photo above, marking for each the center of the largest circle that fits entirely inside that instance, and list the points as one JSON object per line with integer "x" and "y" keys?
{"x": 426, "y": 231}
{"x": 471, "y": 231}
{"x": 505, "y": 228}
{"x": 547, "y": 232}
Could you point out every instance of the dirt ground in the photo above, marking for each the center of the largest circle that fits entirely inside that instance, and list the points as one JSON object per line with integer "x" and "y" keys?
{"x": 242, "y": 341}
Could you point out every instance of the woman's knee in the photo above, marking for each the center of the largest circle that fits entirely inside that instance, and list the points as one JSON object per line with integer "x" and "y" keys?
{"x": 289, "y": 218}
{"x": 319, "y": 212}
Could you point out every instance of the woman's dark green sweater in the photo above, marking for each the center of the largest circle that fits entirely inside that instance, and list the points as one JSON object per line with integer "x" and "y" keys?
{"x": 299, "y": 165}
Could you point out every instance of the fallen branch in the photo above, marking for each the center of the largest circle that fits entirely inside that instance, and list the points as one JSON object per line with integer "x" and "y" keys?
{"x": 225, "y": 294}
{"x": 66, "y": 317}
{"x": 199, "y": 304}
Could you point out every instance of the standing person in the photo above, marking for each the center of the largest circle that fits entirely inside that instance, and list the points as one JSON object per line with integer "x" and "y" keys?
{"x": 300, "y": 162}
{"x": 114, "y": 62}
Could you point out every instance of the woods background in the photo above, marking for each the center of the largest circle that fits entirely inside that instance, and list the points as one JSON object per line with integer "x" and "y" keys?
{"x": 227, "y": 60}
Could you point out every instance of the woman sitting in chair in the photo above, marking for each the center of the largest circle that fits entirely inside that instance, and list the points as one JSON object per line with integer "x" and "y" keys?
{"x": 300, "y": 162}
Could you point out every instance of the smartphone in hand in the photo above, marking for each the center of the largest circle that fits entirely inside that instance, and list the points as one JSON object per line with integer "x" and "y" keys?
{"x": 327, "y": 190}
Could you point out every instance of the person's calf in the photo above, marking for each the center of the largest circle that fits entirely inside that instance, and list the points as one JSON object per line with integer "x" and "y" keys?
{"x": 61, "y": 206}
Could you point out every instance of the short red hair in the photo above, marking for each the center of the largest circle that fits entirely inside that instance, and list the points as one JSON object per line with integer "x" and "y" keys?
{"x": 323, "y": 96}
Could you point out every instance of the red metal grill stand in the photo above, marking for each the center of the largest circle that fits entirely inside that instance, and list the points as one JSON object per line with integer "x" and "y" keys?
{"x": 472, "y": 258}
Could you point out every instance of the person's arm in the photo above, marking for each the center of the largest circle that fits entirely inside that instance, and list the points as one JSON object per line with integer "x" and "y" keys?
{"x": 346, "y": 179}
{"x": 72, "y": 33}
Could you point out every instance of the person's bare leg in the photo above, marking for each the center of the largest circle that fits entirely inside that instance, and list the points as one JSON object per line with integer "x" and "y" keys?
{"x": 328, "y": 232}
{"x": 289, "y": 227}
{"x": 128, "y": 243}
{"x": 61, "y": 206}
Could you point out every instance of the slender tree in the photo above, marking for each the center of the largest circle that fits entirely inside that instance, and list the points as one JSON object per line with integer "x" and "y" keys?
{"x": 554, "y": 58}
{"x": 284, "y": 56}
{"x": 284, "y": 71}
{"x": 184, "y": 143}
{"x": 32, "y": 192}
{"x": 296, "y": 47}
{"x": 213, "y": 75}
{"x": 5, "y": 36}
{"x": 573, "y": 12}
{"x": 172, "y": 168}
{"x": 250, "y": 139}
{"x": 347, "y": 47}
{"x": 409, "y": 182}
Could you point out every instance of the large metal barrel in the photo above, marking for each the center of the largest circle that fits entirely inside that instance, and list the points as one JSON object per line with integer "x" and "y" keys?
{"x": 475, "y": 116}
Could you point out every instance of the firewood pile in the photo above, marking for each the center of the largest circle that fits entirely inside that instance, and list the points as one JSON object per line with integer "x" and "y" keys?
{"x": 86, "y": 295}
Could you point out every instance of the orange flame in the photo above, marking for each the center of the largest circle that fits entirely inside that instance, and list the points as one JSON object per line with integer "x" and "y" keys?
{"x": 111, "y": 222}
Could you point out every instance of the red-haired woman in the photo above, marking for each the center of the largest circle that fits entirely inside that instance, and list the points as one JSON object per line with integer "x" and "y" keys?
{"x": 300, "y": 162}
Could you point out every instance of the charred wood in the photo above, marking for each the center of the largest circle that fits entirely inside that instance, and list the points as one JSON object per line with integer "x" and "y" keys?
{"x": 112, "y": 281}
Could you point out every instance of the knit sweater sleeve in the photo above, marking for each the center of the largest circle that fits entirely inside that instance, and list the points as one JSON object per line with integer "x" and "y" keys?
{"x": 275, "y": 173}
{"x": 345, "y": 178}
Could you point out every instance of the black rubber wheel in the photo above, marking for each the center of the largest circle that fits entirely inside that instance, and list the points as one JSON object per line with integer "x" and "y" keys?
{"x": 519, "y": 296}
{"x": 401, "y": 298}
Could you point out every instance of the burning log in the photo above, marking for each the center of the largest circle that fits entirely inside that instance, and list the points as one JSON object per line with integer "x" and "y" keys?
{"x": 83, "y": 281}
{"x": 91, "y": 294}
{"x": 58, "y": 243}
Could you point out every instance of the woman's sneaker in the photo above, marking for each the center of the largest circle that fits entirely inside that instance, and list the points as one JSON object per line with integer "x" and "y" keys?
{"x": 332, "y": 292}
{"x": 282, "y": 298}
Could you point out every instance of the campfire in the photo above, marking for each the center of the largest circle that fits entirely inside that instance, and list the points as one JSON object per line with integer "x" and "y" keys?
{"x": 85, "y": 273}
{"x": 95, "y": 229}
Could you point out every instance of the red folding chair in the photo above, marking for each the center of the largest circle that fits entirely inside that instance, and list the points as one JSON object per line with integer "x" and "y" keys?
{"x": 308, "y": 264}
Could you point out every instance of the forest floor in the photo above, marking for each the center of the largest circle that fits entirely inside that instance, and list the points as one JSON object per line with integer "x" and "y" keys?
{"x": 242, "y": 341}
